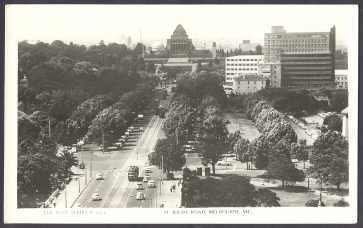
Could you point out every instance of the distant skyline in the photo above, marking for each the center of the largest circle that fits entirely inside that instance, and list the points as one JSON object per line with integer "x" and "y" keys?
{"x": 224, "y": 24}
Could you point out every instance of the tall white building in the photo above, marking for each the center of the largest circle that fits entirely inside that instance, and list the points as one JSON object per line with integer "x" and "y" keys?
{"x": 236, "y": 66}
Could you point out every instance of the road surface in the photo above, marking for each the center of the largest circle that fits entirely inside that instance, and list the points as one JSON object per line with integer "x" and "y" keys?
{"x": 116, "y": 191}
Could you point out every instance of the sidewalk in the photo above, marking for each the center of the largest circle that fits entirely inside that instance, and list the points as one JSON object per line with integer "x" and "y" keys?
{"x": 67, "y": 196}
{"x": 170, "y": 199}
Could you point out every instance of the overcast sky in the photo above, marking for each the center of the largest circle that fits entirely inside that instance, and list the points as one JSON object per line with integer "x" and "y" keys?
{"x": 223, "y": 24}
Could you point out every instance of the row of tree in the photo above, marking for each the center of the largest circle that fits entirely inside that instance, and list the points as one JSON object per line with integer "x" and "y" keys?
{"x": 65, "y": 87}
{"x": 277, "y": 145}
{"x": 111, "y": 122}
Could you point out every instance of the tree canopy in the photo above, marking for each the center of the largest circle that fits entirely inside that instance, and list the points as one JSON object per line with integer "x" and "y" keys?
{"x": 329, "y": 158}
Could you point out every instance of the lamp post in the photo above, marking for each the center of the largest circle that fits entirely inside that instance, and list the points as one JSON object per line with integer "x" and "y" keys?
{"x": 321, "y": 189}
{"x": 49, "y": 130}
{"x": 65, "y": 194}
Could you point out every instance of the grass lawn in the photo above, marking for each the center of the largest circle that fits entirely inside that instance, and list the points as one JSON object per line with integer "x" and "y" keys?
{"x": 238, "y": 122}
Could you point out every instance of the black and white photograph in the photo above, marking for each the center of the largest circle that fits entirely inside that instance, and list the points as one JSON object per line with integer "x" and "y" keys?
{"x": 186, "y": 113}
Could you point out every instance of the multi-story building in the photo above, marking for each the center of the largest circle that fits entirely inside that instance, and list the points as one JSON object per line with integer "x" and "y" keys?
{"x": 241, "y": 65}
{"x": 279, "y": 41}
{"x": 248, "y": 83}
{"x": 341, "y": 79}
{"x": 306, "y": 58}
{"x": 307, "y": 71}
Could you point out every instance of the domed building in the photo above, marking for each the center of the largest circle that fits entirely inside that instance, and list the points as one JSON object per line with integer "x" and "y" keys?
{"x": 179, "y": 45}
{"x": 179, "y": 52}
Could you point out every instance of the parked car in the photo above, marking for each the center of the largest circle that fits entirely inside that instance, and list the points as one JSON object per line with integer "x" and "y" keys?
{"x": 146, "y": 179}
{"x": 140, "y": 196}
{"x": 139, "y": 186}
{"x": 140, "y": 116}
{"x": 99, "y": 176}
{"x": 221, "y": 163}
{"x": 148, "y": 170}
{"x": 96, "y": 197}
{"x": 151, "y": 184}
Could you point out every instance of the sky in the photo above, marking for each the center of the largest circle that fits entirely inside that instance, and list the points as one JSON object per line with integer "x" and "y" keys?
{"x": 224, "y": 24}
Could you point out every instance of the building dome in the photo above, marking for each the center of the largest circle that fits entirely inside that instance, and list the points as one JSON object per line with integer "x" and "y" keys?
{"x": 180, "y": 32}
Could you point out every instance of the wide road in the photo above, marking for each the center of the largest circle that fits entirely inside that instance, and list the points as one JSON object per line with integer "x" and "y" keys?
{"x": 115, "y": 189}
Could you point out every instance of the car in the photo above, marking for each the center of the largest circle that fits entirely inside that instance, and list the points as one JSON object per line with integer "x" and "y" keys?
{"x": 118, "y": 144}
{"x": 151, "y": 184}
{"x": 141, "y": 128}
{"x": 140, "y": 196}
{"x": 220, "y": 163}
{"x": 140, "y": 116}
{"x": 139, "y": 186}
{"x": 148, "y": 170}
{"x": 96, "y": 197}
{"x": 99, "y": 176}
{"x": 146, "y": 178}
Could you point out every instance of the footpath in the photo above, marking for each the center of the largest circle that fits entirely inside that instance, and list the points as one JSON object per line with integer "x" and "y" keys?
{"x": 65, "y": 198}
{"x": 169, "y": 197}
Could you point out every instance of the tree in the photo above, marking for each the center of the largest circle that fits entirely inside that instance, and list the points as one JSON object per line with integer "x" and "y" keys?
{"x": 280, "y": 165}
{"x": 34, "y": 171}
{"x": 260, "y": 149}
{"x": 230, "y": 191}
{"x": 300, "y": 151}
{"x": 341, "y": 203}
{"x": 329, "y": 158}
{"x": 213, "y": 140}
{"x": 233, "y": 139}
{"x": 334, "y": 122}
{"x": 339, "y": 101}
{"x": 67, "y": 159}
{"x": 266, "y": 198}
{"x": 258, "y": 50}
{"x": 241, "y": 148}
{"x": 170, "y": 153}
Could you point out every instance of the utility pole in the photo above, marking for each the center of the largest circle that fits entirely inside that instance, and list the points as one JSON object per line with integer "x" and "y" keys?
{"x": 49, "y": 133}
{"x": 162, "y": 167}
{"x": 103, "y": 140}
{"x": 321, "y": 189}
{"x": 85, "y": 176}
{"x": 91, "y": 164}
{"x": 79, "y": 185}
{"x": 65, "y": 194}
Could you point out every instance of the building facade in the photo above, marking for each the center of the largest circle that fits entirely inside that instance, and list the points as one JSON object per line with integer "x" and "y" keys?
{"x": 279, "y": 41}
{"x": 341, "y": 79}
{"x": 179, "y": 45}
{"x": 303, "y": 60}
{"x": 307, "y": 71}
{"x": 249, "y": 83}
{"x": 241, "y": 65}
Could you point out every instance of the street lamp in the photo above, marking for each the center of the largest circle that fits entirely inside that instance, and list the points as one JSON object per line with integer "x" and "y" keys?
{"x": 321, "y": 189}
